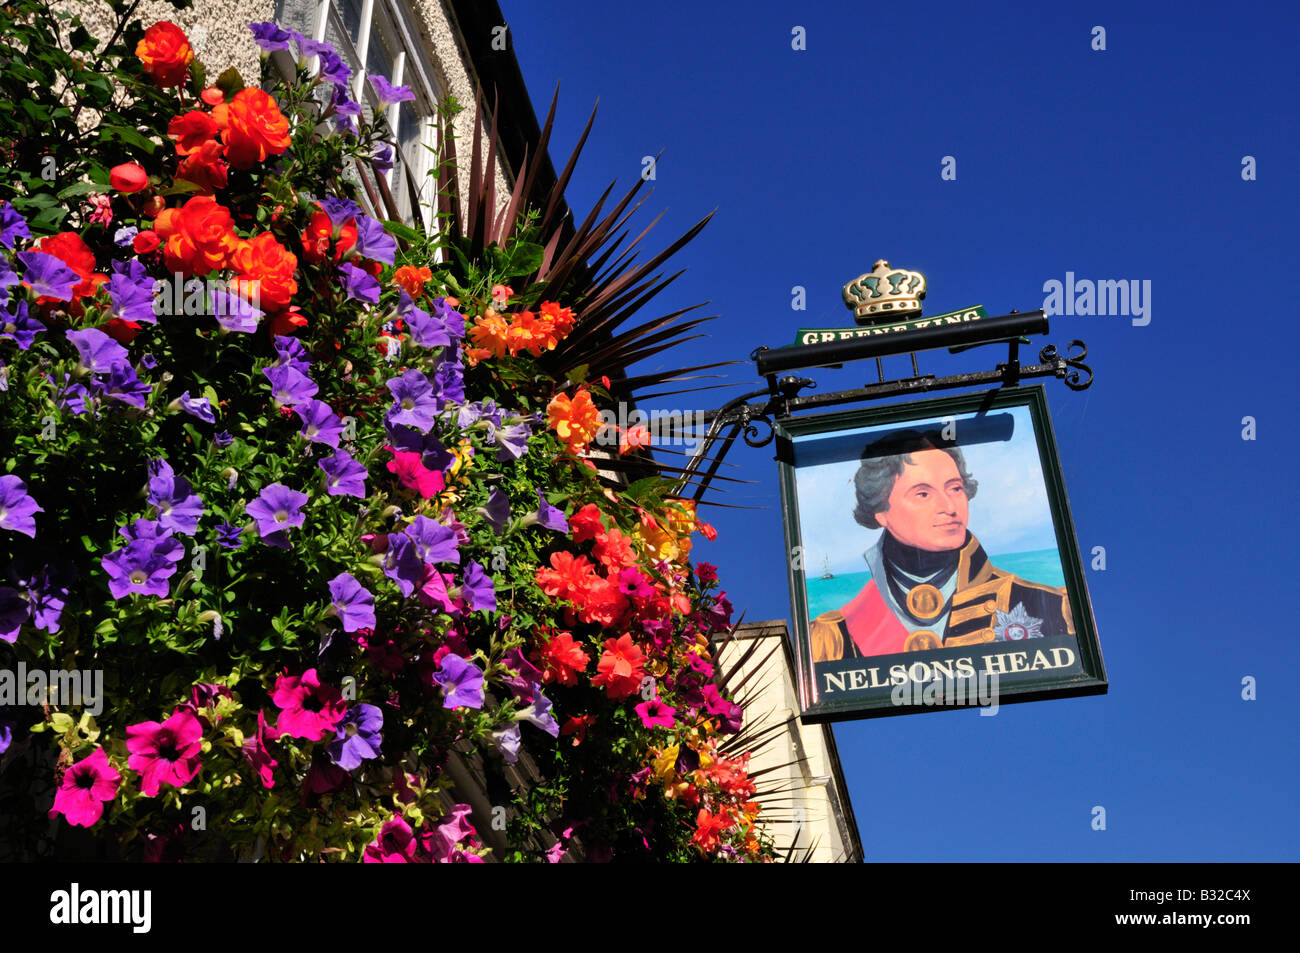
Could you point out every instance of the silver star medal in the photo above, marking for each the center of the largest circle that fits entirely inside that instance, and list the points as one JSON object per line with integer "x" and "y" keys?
{"x": 1016, "y": 625}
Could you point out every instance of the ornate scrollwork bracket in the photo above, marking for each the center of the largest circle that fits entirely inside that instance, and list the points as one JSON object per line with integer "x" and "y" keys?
{"x": 1074, "y": 379}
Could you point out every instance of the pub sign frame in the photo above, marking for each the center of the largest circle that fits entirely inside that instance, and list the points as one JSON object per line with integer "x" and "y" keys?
{"x": 1006, "y": 637}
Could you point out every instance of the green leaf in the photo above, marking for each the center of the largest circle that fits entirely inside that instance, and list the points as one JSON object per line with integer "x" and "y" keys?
{"x": 524, "y": 259}
{"x": 108, "y": 132}
{"x": 402, "y": 231}
{"x": 230, "y": 82}
{"x": 80, "y": 188}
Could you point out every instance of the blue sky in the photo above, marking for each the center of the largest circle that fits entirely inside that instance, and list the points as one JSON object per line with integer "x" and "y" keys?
{"x": 1123, "y": 163}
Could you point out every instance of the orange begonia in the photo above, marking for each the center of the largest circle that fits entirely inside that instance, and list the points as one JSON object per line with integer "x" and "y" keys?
{"x": 252, "y": 126}
{"x": 576, "y": 422}
{"x": 268, "y": 263}
{"x": 166, "y": 53}
{"x": 198, "y": 237}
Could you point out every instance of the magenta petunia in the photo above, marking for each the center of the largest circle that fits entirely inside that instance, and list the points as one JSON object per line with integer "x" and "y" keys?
{"x": 258, "y": 755}
{"x": 165, "y": 754}
{"x": 308, "y": 709}
{"x": 86, "y": 786}
{"x": 395, "y": 844}
{"x": 655, "y": 714}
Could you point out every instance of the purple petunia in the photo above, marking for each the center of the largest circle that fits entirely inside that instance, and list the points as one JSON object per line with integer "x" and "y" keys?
{"x": 233, "y": 312}
{"x": 19, "y": 326}
{"x": 276, "y": 509}
{"x": 508, "y": 738}
{"x": 334, "y": 70}
{"x": 413, "y": 401}
{"x": 99, "y": 353}
{"x": 539, "y": 713}
{"x": 512, "y": 441}
{"x": 199, "y": 407}
{"x": 12, "y": 225}
{"x": 388, "y": 93}
{"x": 352, "y": 602}
{"x": 269, "y": 36}
{"x": 179, "y": 507}
{"x": 478, "y": 590}
{"x": 452, "y": 320}
{"x": 151, "y": 531}
{"x": 547, "y": 516}
{"x": 17, "y": 508}
{"x": 122, "y": 384}
{"x": 229, "y": 536}
{"x": 434, "y": 542}
{"x": 373, "y": 241}
{"x": 289, "y": 385}
{"x": 125, "y": 236}
{"x": 291, "y": 353}
{"x": 47, "y": 275}
{"x": 131, "y": 291}
{"x": 13, "y": 613}
{"x": 432, "y": 453}
{"x": 359, "y": 285}
{"x": 340, "y": 211}
{"x": 138, "y": 567}
{"x": 382, "y": 159}
{"x": 319, "y": 423}
{"x": 461, "y": 681}
{"x": 449, "y": 379}
{"x": 343, "y": 475}
{"x": 402, "y": 563}
{"x": 497, "y": 510}
{"x": 358, "y": 737}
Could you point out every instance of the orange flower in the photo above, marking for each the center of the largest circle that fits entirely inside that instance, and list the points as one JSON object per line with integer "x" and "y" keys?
{"x": 320, "y": 232}
{"x": 562, "y": 659}
{"x": 198, "y": 237}
{"x": 601, "y": 602}
{"x": 191, "y": 130}
{"x": 204, "y": 168}
{"x": 489, "y": 336}
{"x": 620, "y": 668}
{"x": 412, "y": 279}
{"x": 165, "y": 53}
{"x": 708, "y": 830}
{"x": 586, "y": 523}
{"x": 633, "y": 438}
{"x": 271, "y": 265}
{"x": 576, "y": 422}
{"x": 561, "y": 319}
{"x": 254, "y": 128}
{"x": 614, "y": 550}
{"x": 568, "y": 578}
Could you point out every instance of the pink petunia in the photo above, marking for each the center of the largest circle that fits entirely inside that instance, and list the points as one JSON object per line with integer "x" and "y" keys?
{"x": 86, "y": 786}
{"x": 655, "y": 714}
{"x": 167, "y": 753}
{"x": 258, "y": 755}
{"x": 309, "y": 710}
{"x": 414, "y": 475}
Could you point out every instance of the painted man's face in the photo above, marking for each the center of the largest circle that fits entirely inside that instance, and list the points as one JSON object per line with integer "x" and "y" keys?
{"x": 928, "y": 505}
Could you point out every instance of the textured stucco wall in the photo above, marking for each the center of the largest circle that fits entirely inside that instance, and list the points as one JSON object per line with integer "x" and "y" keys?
{"x": 218, "y": 31}
{"x": 455, "y": 73}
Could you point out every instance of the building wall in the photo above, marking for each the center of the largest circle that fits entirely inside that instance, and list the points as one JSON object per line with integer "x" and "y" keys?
{"x": 809, "y": 813}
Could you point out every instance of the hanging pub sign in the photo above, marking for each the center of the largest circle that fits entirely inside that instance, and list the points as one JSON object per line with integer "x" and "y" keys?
{"x": 932, "y": 558}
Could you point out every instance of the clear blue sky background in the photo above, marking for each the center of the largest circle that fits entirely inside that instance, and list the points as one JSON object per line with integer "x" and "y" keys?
{"x": 1117, "y": 164}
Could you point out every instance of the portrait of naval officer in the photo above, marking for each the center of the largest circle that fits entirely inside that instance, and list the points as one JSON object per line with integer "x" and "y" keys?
{"x": 931, "y": 583}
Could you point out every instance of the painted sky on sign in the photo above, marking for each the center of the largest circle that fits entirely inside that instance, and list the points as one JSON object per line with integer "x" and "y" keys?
{"x": 1123, "y": 163}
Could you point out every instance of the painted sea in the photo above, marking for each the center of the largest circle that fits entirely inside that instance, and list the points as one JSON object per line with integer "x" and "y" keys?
{"x": 1042, "y": 566}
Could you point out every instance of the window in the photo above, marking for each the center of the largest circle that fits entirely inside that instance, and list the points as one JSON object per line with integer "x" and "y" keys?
{"x": 380, "y": 34}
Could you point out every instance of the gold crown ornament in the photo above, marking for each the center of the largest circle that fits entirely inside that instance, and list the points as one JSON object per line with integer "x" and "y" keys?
{"x": 884, "y": 293}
